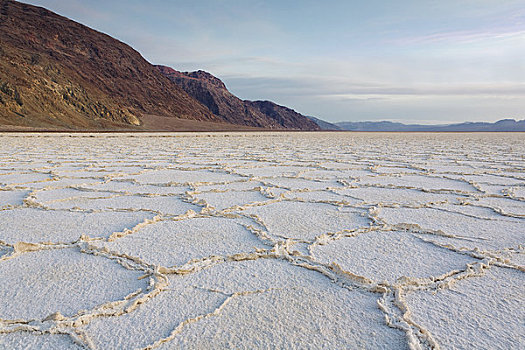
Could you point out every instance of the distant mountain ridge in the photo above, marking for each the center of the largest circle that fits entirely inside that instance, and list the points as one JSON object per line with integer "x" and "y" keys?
{"x": 212, "y": 92}
{"x": 324, "y": 125}
{"x": 501, "y": 125}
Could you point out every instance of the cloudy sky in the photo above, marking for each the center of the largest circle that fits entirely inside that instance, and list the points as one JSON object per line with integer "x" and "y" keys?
{"x": 407, "y": 60}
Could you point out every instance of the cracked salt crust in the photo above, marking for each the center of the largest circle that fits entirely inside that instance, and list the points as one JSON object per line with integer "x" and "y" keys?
{"x": 231, "y": 186}
{"x": 505, "y": 206}
{"x": 24, "y": 178}
{"x": 262, "y": 240}
{"x": 320, "y": 197}
{"x": 389, "y": 255}
{"x": 171, "y": 243}
{"x": 270, "y": 171}
{"x": 153, "y": 320}
{"x": 498, "y": 190}
{"x": 301, "y": 184}
{"x": 396, "y": 196}
{"x": 467, "y": 208}
{"x": 67, "y": 193}
{"x": 418, "y": 182}
{"x": 133, "y": 188}
{"x": 517, "y": 193}
{"x": 484, "y": 312}
{"x": 508, "y": 180}
{"x": 223, "y": 200}
{"x": 464, "y": 230}
{"x": 91, "y": 172}
{"x": 28, "y": 340}
{"x": 299, "y": 304}
{"x": 56, "y": 182}
{"x": 395, "y": 170}
{"x": 11, "y": 198}
{"x": 336, "y": 174}
{"x": 315, "y": 317}
{"x": 169, "y": 205}
{"x": 175, "y": 176}
{"x": 306, "y": 220}
{"x": 41, "y": 283}
{"x": 37, "y": 225}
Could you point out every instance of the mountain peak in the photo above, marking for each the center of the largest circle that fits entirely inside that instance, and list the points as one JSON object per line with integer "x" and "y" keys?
{"x": 209, "y": 78}
{"x": 211, "y": 91}
{"x": 200, "y": 75}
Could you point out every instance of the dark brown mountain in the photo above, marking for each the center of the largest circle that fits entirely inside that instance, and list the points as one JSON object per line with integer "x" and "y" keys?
{"x": 212, "y": 92}
{"x": 286, "y": 117}
{"x": 57, "y": 73}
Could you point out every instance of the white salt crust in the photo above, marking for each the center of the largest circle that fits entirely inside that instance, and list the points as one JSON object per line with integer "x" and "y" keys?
{"x": 262, "y": 240}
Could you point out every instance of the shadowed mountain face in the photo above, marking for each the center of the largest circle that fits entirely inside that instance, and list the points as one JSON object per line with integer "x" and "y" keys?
{"x": 285, "y": 116}
{"x": 212, "y": 92}
{"x": 58, "y": 73}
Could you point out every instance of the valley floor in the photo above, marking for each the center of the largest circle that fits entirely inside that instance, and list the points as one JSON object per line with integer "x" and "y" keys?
{"x": 262, "y": 240}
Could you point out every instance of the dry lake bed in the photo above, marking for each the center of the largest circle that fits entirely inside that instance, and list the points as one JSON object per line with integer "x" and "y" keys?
{"x": 262, "y": 241}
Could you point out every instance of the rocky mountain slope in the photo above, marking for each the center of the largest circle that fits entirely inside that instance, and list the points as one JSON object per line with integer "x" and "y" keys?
{"x": 58, "y": 73}
{"x": 211, "y": 91}
{"x": 285, "y": 116}
{"x": 324, "y": 125}
{"x": 61, "y": 75}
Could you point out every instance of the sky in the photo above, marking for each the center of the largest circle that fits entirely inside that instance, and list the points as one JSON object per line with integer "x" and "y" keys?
{"x": 410, "y": 61}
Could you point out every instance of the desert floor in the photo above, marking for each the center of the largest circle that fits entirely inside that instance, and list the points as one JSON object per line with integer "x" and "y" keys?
{"x": 262, "y": 241}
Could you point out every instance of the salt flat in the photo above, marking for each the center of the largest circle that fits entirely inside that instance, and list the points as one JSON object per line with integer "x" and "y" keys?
{"x": 262, "y": 241}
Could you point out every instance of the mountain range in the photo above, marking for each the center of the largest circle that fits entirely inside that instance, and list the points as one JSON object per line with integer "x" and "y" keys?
{"x": 57, "y": 74}
{"x": 501, "y": 125}
{"x": 211, "y": 92}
